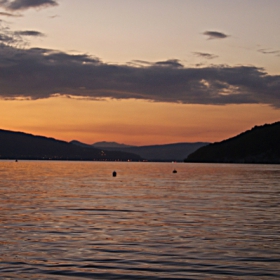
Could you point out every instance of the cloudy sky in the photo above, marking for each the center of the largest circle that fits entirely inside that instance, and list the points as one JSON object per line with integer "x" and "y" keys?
{"x": 139, "y": 71}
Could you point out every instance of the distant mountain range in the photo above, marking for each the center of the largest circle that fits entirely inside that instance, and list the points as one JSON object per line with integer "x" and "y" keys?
{"x": 261, "y": 144}
{"x": 166, "y": 152}
{"x": 110, "y": 145}
{"x": 19, "y": 145}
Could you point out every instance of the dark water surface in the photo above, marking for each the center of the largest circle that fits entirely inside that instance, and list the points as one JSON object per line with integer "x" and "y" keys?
{"x": 74, "y": 220}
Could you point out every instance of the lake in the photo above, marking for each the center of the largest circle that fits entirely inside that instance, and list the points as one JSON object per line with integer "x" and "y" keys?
{"x": 74, "y": 220}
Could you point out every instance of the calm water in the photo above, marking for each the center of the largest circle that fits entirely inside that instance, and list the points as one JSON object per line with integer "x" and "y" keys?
{"x": 73, "y": 220}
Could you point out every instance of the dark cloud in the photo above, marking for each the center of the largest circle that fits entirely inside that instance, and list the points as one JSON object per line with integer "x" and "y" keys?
{"x": 29, "y": 33}
{"x": 16, "y": 38}
{"x": 205, "y": 55}
{"x": 16, "y": 5}
{"x": 8, "y": 37}
{"x": 139, "y": 63}
{"x": 40, "y": 73}
{"x": 215, "y": 35}
{"x": 169, "y": 63}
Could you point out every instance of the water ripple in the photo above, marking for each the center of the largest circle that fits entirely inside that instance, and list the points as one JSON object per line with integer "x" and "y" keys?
{"x": 61, "y": 220}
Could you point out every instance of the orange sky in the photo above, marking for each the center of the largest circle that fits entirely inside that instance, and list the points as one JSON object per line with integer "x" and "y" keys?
{"x": 131, "y": 121}
{"x": 159, "y": 67}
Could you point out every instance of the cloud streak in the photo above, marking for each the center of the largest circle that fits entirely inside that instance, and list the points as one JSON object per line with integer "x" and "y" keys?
{"x": 265, "y": 51}
{"x": 16, "y": 38}
{"x": 41, "y": 73}
{"x": 205, "y": 55}
{"x": 32, "y": 33}
{"x": 17, "y": 5}
{"x": 215, "y": 35}
{"x": 8, "y": 14}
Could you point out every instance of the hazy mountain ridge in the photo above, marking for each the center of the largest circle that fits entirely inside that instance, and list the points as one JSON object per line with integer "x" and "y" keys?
{"x": 165, "y": 152}
{"x": 20, "y": 145}
{"x": 111, "y": 145}
{"x": 261, "y": 144}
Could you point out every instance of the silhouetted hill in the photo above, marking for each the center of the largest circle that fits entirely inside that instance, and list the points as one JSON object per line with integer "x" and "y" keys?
{"x": 261, "y": 144}
{"x": 19, "y": 145}
{"x": 168, "y": 152}
{"x": 80, "y": 144}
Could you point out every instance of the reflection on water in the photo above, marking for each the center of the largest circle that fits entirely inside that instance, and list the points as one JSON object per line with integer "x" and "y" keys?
{"x": 208, "y": 221}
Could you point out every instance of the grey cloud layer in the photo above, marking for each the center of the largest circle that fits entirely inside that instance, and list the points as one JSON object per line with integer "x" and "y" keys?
{"x": 40, "y": 73}
{"x": 16, "y": 5}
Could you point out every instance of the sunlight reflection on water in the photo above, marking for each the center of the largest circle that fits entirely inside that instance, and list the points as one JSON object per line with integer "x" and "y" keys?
{"x": 208, "y": 221}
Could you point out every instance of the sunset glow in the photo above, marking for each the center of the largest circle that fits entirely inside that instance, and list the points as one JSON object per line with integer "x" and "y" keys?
{"x": 131, "y": 121}
{"x": 139, "y": 72}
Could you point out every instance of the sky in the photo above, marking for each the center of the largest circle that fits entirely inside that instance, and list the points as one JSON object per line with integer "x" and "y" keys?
{"x": 139, "y": 72}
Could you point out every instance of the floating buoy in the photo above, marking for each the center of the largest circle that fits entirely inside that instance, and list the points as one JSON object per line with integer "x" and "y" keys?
{"x": 114, "y": 173}
{"x": 174, "y": 171}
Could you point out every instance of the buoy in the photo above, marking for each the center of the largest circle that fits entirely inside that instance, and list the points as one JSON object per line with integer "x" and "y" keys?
{"x": 114, "y": 173}
{"x": 174, "y": 171}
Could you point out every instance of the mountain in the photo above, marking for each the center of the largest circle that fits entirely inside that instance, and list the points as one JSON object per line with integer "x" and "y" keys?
{"x": 19, "y": 145}
{"x": 110, "y": 145}
{"x": 78, "y": 143}
{"x": 167, "y": 152}
{"x": 261, "y": 144}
